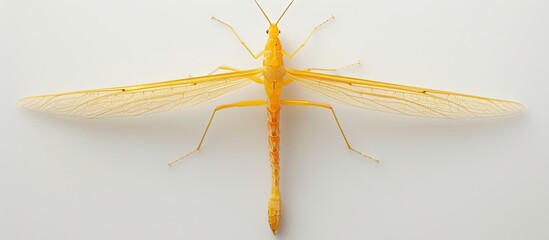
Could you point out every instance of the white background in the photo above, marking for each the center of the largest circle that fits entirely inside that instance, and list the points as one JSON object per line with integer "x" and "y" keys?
{"x": 72, "y": 178}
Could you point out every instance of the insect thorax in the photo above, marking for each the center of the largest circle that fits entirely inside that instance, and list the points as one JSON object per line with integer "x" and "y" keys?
{"x": 273, "y": 63}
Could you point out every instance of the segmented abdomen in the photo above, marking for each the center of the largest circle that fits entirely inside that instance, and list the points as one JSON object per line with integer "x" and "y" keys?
{"x": 273, "y": 112}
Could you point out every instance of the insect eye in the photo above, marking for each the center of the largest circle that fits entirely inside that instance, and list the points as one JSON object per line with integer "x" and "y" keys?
{"x": 279, "y": 31}
{"x": 267, "y": 31}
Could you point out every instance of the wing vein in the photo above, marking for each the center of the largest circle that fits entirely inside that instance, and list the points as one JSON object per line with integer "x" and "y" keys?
{"x": 395, "y": 98}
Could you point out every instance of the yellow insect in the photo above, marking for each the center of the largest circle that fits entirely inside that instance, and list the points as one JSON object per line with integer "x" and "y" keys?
{"x": 163, "y": 96}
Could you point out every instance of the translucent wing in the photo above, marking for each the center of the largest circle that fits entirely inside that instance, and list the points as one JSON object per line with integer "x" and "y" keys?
{"x": 402, "y": 99}
{"x": 140, "y": 99}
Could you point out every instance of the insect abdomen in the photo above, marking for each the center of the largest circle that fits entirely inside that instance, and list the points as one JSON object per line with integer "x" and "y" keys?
{"x": 275, "y": 207}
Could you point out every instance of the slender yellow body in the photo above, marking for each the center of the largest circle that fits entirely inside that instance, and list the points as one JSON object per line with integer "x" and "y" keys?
{"x": 274, "y": 75}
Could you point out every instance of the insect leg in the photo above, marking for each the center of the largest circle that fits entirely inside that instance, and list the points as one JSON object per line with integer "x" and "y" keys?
{"x": 223, "y": 67}
{"x": 327, "y": 106}
{"x": 332, "y": 69}
{"x": 307, "y": 39}
{"x": 255, "y": 56}
{"x": 249, "y": 103}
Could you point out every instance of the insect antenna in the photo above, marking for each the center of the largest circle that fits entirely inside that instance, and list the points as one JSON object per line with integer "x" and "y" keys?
{"x": 284, "y": 12}
{"x": 264, "y": 14}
